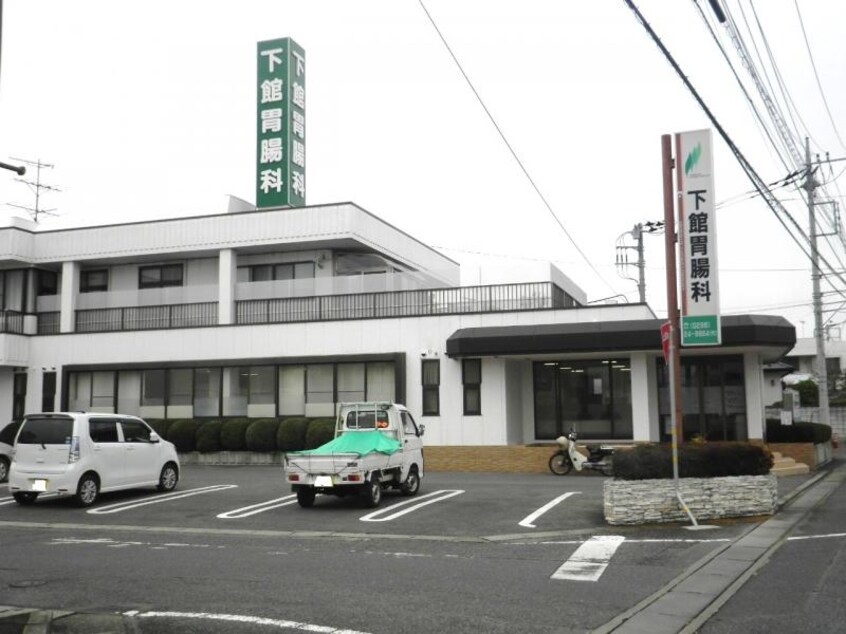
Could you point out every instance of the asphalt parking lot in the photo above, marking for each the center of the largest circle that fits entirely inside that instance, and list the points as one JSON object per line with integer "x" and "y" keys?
{"x": 460, "y": 505}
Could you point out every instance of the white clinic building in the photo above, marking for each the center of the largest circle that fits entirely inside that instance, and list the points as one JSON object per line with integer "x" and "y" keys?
{"x": 290, "y": 311}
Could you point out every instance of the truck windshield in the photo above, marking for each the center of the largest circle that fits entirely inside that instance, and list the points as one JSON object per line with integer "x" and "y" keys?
{"x": 46, "y": 431}
{"x": 367, "y": 419}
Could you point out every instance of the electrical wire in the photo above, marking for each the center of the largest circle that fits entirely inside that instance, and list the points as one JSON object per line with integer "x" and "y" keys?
{"x": 511, "y": 149}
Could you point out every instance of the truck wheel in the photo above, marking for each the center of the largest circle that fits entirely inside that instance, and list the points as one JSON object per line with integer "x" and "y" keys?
{"x": 305, "y": 497}
{"x": 560, "y": 463}
{"x": 373, "y": 492}
{"x": 412, "y": 483}
{"x": 608, "y": 469}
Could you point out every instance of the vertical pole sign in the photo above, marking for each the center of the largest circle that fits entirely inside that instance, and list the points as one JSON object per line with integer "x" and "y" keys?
{"x": 700, "y": 300}
{"x": 280, "y": 152}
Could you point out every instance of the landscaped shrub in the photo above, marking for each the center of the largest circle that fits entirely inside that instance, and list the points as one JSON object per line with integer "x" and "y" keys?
{"x": 319, "y": 432}
{"x": 797, "y": 432}
{"x": 160, "y": 426}
{"x": 233, "y": 434}
{"x": 709, "y": 460}
{"x": 261, "y": 434}
{"x": 182, "y": 433}
{"x": 291, "y": 435}
{"x": 208, "y": 436}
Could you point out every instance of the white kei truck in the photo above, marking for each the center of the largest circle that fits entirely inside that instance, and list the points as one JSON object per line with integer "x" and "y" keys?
{"x": 377, "y": 446}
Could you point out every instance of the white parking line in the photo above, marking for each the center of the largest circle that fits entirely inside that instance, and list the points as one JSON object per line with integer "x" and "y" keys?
{"x": 43, "y": 496}
{"x": 258, "y": 508}
{"x": 238, "y": 618}
{"x": 527, "y": 521}
{"x": 415, "y": 502}
{"x": 590, "y": 559}
{"x": 167, "y": 497}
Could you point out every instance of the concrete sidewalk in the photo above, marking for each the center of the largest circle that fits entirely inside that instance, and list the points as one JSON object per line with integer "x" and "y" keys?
{"x": 688, "y": 601}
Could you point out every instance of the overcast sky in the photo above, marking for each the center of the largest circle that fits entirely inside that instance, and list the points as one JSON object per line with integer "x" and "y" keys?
{"x": 147, "y": 111}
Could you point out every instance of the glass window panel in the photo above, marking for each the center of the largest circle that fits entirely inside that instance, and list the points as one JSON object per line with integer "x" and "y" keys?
{"x": 472, "y": 371}
{"x": 236, "y": 382}
{"x": 292, "y": 390}
{"x": 262, "y": 385}
{"x": 135, "y": 431}
{"x": 431, "y": 370}
{"x": 129, "y": 393}
{"x": 103, "y": 389}
{"x": 102, "y": 430}
{"x": 320, "y": 384}
{"x": 262, "y": 273}
{"x": 350, "y": 382}
{"x": 303, "y": 270}
{"x": 381, "y": 381}
{"x": 284, "y": 271}
{"x": 153, "y": 388}
{"x": 546, "y": 422}
{"x": 79, "y": 398}
{"x": 207, "y": 392}
{"x": 179, "y": 387}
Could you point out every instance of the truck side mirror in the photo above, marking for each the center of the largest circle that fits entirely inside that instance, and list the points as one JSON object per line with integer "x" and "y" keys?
{"x": 420, "y": 429}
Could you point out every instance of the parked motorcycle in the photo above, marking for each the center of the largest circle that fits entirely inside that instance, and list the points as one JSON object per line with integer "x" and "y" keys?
{"x": 567, "y": 457}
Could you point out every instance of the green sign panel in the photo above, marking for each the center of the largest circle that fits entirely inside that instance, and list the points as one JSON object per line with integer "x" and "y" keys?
{"x": 701, "y": 330}
{"x": 280, "y": 151}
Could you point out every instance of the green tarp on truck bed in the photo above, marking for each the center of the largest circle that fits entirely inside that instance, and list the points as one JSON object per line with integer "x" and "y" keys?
{"x": 358, "y": 442}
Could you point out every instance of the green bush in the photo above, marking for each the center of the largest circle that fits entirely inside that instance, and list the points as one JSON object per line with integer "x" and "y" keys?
{"x": 797, "y": 432}
{"x": 709, "y": 460}
{"x": 208, "y": 436}
{"x": 233, "y": 434}
{"x": 182, "y": 433}
{"x": 291, "y": 435}
{"x": 261, "y": 434}
{"x": 809, "y": 393}
{"x": 319, "y": 432}
{"x": 160, "y": 426}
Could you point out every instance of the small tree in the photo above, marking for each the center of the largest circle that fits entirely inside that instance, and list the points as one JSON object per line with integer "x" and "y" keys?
{"x": 809, "y": 392}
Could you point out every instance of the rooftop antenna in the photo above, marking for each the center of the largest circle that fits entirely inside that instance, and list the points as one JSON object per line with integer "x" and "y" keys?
{"x": 37, "y": 187}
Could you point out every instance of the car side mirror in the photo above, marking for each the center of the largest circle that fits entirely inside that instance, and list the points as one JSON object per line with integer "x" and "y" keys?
{"x": 154, "y": 437}
{"x": 420, "y": 430}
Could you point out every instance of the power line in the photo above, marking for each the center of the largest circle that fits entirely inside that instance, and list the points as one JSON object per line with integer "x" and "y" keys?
{"x": 511, "y": 149}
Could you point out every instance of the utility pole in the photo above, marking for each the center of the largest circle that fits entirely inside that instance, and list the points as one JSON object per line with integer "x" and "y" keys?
{"x": 36, "y": 186}
{"x": 816, "y": 274}
{"x": 622, "y": 256}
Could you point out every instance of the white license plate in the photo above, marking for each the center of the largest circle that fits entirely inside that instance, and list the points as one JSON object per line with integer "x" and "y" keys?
{"x": 323, "y": 481}
{"x": 39, "y": 485}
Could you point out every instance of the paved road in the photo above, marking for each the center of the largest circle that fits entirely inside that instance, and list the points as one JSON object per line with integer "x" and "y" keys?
{"x": 472, "y": 552}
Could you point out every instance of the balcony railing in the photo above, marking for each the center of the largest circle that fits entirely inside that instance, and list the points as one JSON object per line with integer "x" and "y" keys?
{"x": 449, "y": 301}
{"x": 11, "y": 322}
{"x": 146, "y": 317}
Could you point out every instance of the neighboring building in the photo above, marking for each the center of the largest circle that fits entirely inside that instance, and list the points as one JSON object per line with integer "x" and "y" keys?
{"x": 288, "y": 312}
{"x": 803, "y": 358}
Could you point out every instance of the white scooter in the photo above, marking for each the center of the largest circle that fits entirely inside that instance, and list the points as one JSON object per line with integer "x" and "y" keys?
{"x": 567, "y": 457}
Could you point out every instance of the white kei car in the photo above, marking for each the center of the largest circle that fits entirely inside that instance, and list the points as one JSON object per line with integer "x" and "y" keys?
{"x": 83, "y": 454}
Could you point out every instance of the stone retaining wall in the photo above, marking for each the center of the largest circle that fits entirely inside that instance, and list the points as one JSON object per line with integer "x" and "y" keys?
{"x": 655, "y": 501}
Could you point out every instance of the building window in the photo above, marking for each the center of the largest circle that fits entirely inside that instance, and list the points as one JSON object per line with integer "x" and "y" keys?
{"x": 48, "y": 392}
{"x": 94, "y": 281}
{"x": 262, "y": 384}
{"x": 431, "y": 371}
{"x": 471, "y": 378}
{"x": 207, "y": 392}
{"x": 292, "y": 390}
{"x": 179, "y": 387}
{"x": 351, "y": 382}
{"x": 320, "y": 383}
{"x": 160, "y": 276}
{"x": 48, "y": 283}
{"x": 271, "y": 272}
{"x": 152, "y": 388}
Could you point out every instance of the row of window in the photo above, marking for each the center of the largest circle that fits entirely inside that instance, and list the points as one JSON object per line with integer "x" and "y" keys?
{"x": 471, "y": 379}
{"x": 165, "y": 275}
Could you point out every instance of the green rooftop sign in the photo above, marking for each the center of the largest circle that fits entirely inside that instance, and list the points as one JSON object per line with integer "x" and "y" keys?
{"x": 280, "y": 151}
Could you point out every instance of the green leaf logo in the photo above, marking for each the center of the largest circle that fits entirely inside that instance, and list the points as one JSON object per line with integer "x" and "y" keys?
{"x": 692, "y": 158}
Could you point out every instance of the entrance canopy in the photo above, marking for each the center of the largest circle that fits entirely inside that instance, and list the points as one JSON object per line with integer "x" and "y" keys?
{"x": 773, "y": 336}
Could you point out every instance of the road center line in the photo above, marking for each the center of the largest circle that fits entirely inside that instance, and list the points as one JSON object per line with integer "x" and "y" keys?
{"x": 527, "y": 521}
{"x": 442, "y": 495}
{"x": 590, "y": 559}
{"x": 167, "y": 497}
{"x": 255, "y": 509}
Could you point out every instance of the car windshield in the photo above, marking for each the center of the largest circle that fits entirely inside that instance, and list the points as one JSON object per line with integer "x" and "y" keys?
{"x": 46, "y": 431}
{"x": 367, "y": 419}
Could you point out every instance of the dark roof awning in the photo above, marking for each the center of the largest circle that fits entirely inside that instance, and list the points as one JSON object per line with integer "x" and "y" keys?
{"x": 759, "y": 331}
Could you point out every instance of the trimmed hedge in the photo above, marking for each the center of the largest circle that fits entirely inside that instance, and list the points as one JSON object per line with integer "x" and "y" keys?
{"x": 709, "y": 460}
{"x": 233, "y": 434}
{"x": 208, "y": 436}
{"x": 261, "y": 435}
{"x": 319, "y": 432}
{"x": 182, "y": 433}
{"x": 797, "y": 432}
{"x": 291, "y": 435}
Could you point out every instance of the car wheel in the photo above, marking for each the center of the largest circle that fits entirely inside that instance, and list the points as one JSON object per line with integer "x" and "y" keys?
{"x": 305, "y": 497}
{"x": 25, "y": 499}
{"x": 87, "y": 490}
{"x": 4, "y": 468}
{"x": 168, "y": 478}
{"x": 373, "y": 492}
{"x": 560, "y": 463}
{"x": 412, "y": 483}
